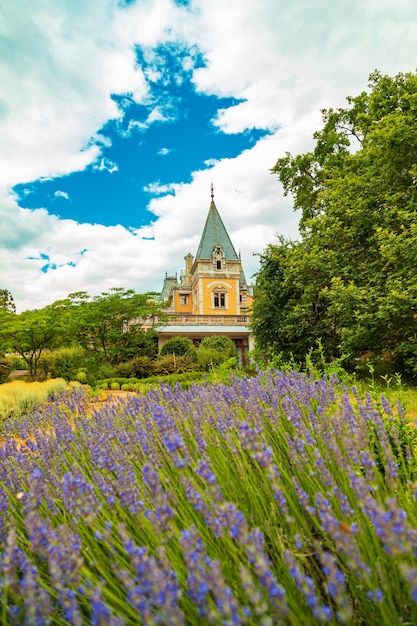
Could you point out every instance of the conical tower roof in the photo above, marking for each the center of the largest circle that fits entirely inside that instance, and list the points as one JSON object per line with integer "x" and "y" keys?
{"x": 215, "y": 233}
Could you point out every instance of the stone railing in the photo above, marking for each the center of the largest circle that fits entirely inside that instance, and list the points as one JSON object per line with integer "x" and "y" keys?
{"x": 202, "y": 320}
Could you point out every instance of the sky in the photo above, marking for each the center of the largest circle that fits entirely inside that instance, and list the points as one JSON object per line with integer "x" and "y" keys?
{"x": 117, "y": 115}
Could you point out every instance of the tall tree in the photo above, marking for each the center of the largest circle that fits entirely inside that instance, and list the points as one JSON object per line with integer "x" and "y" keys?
{"x": 350, "y": 280}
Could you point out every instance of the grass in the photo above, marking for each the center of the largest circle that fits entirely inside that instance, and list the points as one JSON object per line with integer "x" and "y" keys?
{"x": 18, "y": 397}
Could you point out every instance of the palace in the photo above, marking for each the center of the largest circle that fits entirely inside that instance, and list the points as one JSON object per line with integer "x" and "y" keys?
{"x": 211, "y": 296}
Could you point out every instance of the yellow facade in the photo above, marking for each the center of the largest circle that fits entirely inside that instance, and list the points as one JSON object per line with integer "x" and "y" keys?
{"x": 209, "y": 292}
{"x": 211, "y": 295}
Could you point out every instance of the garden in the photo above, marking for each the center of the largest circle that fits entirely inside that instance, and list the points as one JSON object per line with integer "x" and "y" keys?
{"x": 283, "y": 498}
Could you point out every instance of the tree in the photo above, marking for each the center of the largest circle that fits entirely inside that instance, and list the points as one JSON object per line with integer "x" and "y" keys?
{"x": 7, "y": 302}
{"x": 30, "y": 333}
{"x": 109, "y": 325}
{"x": 348, "y": 280}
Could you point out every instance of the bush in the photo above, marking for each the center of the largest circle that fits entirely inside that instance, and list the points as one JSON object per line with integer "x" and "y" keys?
{"x": 214, "y": 351}
{"x": 81, "y": 376}
{"x": 405, "y": 361}
{"x": 171, "y": 364}
{"x": 220, "y": 343}
{"x": 179, "y": 346}
{"x": 63, "y": 363}
{"x": 208, "y": 358}
{"x": 5, "y": 369}
{"x": 19, "y": 397}
{"x": 16, "y": 362}
{"x": 140, "y": 367}
{"x": 283, "y": 499}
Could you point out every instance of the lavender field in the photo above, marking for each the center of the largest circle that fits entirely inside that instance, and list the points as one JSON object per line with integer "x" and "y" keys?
{"x": 278, "y": 499}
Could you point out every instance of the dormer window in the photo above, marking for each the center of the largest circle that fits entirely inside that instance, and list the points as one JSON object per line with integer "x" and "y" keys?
{"x": 218, "y": 258}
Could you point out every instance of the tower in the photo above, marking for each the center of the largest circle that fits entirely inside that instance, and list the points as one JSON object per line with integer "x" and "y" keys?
{"x": 212, "y": 296}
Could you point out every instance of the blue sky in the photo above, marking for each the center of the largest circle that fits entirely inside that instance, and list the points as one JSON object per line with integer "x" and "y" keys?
{"x": 140, "y": 155}
{"x": 115, "y": 118}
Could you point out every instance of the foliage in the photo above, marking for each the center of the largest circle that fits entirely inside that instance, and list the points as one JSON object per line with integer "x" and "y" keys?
{"x": 214, "y": 351}
{"x": 208, "y": 358}
{"x": 5, "y": 369}
{"x": 348, "y": 280}
{"x": 109, "y": 325}
{"x": 7, "y": 302}
{"x": 143, "y": 385}
{"x": 30, "y": 333}
{"x": 270, "y": 500}
{"x": 221, "y": 343}
{"x": 140, "y": 367}
{"x": 179, "y": 346}
{"x": 62, "y": 363}
{"x": 171, "y": 363}
{"x": 18, "y": 397}
{"x": 16, "y": 362}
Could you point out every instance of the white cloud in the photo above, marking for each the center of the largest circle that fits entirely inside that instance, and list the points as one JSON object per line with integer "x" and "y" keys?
{"x": 284, "y": 61}
{"x": 105, "y": 165}
{"x": 157, "y": 189}
{"x": 68, "y": 58}
{"x": 87, "y": 257}
{"x": 61, "y": 194}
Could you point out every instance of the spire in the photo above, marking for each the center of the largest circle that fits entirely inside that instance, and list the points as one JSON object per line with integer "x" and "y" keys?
{"x": 215, "y": 233}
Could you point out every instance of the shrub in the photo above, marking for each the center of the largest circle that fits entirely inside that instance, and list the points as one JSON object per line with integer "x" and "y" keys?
{"x": 281, "y": 499}
{"x": 62, "y": 363}
{"x": 179, "y": 346}
{"x": 19, "y": 397}
{"x": 170, "y": 364}
{"x": 220, "y": 343}
{"x": 209, "y": 358}
{"x": 81, "y": 376}
{"x": 140, "y": 367}
{"x": 16, "y": 362}
{"x": 5, "y": 369}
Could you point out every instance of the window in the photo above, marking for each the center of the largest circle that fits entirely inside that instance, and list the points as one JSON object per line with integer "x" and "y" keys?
{"x": 218, "y": 258}
{"x": 219, "y": 300}
{"x": 183, "y": 300}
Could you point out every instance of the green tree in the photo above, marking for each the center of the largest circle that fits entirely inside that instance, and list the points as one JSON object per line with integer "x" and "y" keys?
{"x": 110, "y": 325}
{"x": 7, "y": 302}
{"x": 30, "y": 333}
{"x": 349, "y": 280}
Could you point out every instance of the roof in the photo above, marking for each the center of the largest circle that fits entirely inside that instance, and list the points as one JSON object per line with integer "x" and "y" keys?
{"x": 215, "y": 233}
{"x": 169, "y": 283}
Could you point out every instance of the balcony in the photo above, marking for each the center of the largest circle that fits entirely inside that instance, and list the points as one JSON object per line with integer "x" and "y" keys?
{"x": 188, "y": 319}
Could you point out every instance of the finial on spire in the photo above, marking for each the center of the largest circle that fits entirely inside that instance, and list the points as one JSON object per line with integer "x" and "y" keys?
{"x": 212, "y": 192}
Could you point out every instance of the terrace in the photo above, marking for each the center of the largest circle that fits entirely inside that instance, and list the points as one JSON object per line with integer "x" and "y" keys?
{"x": 188, "y": 319}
